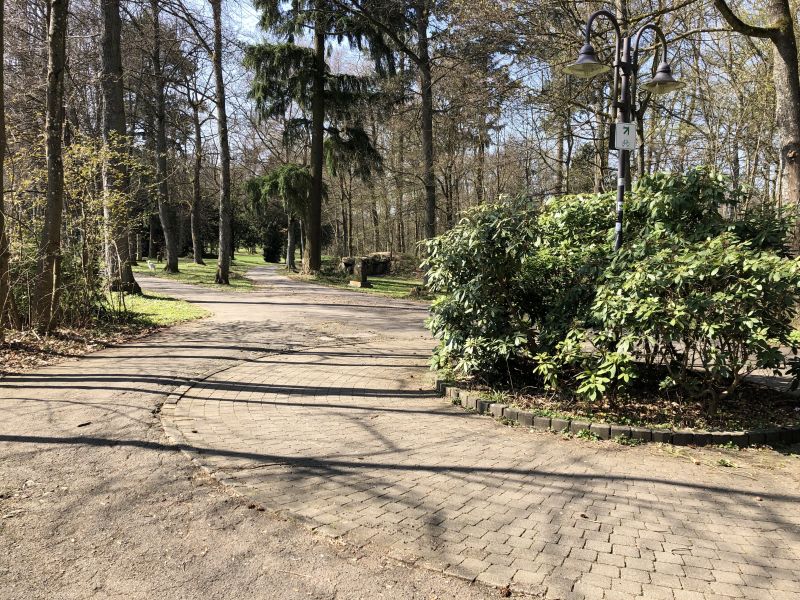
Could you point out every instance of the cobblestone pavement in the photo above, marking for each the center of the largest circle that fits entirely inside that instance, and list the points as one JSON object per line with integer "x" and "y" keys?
{"x": 348, "y": 436}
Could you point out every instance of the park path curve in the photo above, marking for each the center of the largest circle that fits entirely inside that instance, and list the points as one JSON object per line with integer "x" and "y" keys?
{"x": 348, "y": 435}
{"x": 97, "y": 503}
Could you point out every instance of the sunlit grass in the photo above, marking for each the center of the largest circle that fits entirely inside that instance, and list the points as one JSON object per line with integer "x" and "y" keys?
{"x": 152, "y": 310}
{"x": 204, "y": 274}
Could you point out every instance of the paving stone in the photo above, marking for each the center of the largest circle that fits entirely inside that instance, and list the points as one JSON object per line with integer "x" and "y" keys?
{"x": 352, "y": 438}
{"x": 497, "y": 410}
{"x": 468, "y": 569}
{"x": 620, "y": 430}
{"x": 559, "y": 424}
{"x": 662, "y": 436}
{"x": 683, "y": 438}
{"x": 559, "y": 589}
{"x": 642, "y": 433}
{"x": 496, "y": 575}
{"x": 525, "y": 418}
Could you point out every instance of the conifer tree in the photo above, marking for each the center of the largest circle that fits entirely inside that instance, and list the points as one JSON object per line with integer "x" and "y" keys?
{"x": 289, "y": 74}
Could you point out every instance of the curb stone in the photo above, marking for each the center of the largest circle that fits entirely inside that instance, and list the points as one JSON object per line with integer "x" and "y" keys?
{"x": 576, "y": 426}
{"x": 605, "y": 431}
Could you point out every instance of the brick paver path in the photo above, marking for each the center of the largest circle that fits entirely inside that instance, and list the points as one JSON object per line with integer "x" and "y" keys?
{"x": 348, "y": 436}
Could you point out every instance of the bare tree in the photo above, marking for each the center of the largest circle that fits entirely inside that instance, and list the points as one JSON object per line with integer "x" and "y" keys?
{"x": 786, "y": 78}
{"x": 115, "y": 184}
{"x": 45, "y": 301}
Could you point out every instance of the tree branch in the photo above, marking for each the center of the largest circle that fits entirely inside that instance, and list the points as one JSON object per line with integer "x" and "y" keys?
{"x": 740, "y": 26}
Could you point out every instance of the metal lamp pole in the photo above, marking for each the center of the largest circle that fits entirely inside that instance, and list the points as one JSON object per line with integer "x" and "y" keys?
{"x": 626, "y": 64}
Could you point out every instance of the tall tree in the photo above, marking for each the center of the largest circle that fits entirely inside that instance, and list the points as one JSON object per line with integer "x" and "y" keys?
{"x": 197, "y": 167}
{"x": 5, "y": 283}
{"x": 405, "y": 27}
{"x": 292, "y": 185}
{"x": 166, "y": 209}
{"x": 786, "y": 79}
{"x": 46, "y": 296}
{"x": 115, "y": 180}
{"x": 287, "y": 73}
{"x": 225, "y": 209}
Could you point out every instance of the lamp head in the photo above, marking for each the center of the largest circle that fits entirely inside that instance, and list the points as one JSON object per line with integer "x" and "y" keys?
{"x": 663, "y": 82}
{"x": 587, "y": 64}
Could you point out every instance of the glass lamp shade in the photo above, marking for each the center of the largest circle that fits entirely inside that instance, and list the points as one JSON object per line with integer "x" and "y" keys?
{"x": 587, "y": 64}
{"x": 663, "y": 82}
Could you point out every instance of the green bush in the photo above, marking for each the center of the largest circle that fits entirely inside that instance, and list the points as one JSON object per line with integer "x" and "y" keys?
{"x": 482, "y": 313}
{"x": 701, "y": 294}
{"x": 512, "y": 278}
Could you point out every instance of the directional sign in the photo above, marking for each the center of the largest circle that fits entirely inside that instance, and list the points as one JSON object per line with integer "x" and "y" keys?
{"x": 625, "y": 136}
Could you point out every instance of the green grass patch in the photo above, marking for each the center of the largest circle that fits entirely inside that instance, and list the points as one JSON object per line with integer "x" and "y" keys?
{"x": 204, "y": 274}
{"x": 393, "y": 286}
{"x": 151, "y": 310}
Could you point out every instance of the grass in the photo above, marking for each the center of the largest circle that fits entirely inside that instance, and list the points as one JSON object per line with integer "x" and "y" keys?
{"x": 151, "y": 310}
{"x": 401, "y": 286}
{"x": 204, "y": 274}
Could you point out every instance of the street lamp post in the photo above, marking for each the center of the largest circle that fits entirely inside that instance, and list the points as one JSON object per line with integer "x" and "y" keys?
{"x": 626, "y": 65}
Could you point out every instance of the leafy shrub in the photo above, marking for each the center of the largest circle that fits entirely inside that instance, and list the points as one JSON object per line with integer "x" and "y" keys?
{"x": 708, "y": 312}
{"x": 701, "y": 295}
{"x": 482, "y": 314}
{"x": 513, "y": 277}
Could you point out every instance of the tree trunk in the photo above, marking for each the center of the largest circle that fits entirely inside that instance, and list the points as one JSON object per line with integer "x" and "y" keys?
{"x": 312, "y": 253}
{"x": 45, "y": 301}
{"x": 151, "y": 237}
{"x": 787, "y": 110}
{"x": 426, "y": 90}
{"x": 559, "y": 182}
{"x": 345, "y": 236}
{"x": 5, "y": 283}
{"x": 197, "y": 238}
{"x": 291, "y": 245}
{"x": 166, "y": 210}
{"x": 350, "y": 245}
{"x": 376, "y": 223}
{"x": 225, "y": 210}
{"x": 786, "y": 79}
{"x": 115, "y": 176}
{"x": 481, "y": 167}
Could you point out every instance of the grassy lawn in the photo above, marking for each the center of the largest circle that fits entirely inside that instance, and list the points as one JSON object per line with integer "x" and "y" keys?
{"x": 204, "y": 274}
{"x": 152, "y": 310}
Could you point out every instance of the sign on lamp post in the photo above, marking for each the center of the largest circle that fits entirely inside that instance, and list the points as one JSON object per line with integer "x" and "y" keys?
{"x": 625, "y": 136}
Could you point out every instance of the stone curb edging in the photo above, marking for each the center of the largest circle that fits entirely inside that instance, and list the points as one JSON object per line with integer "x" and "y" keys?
{"x": 606, "y": 431}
